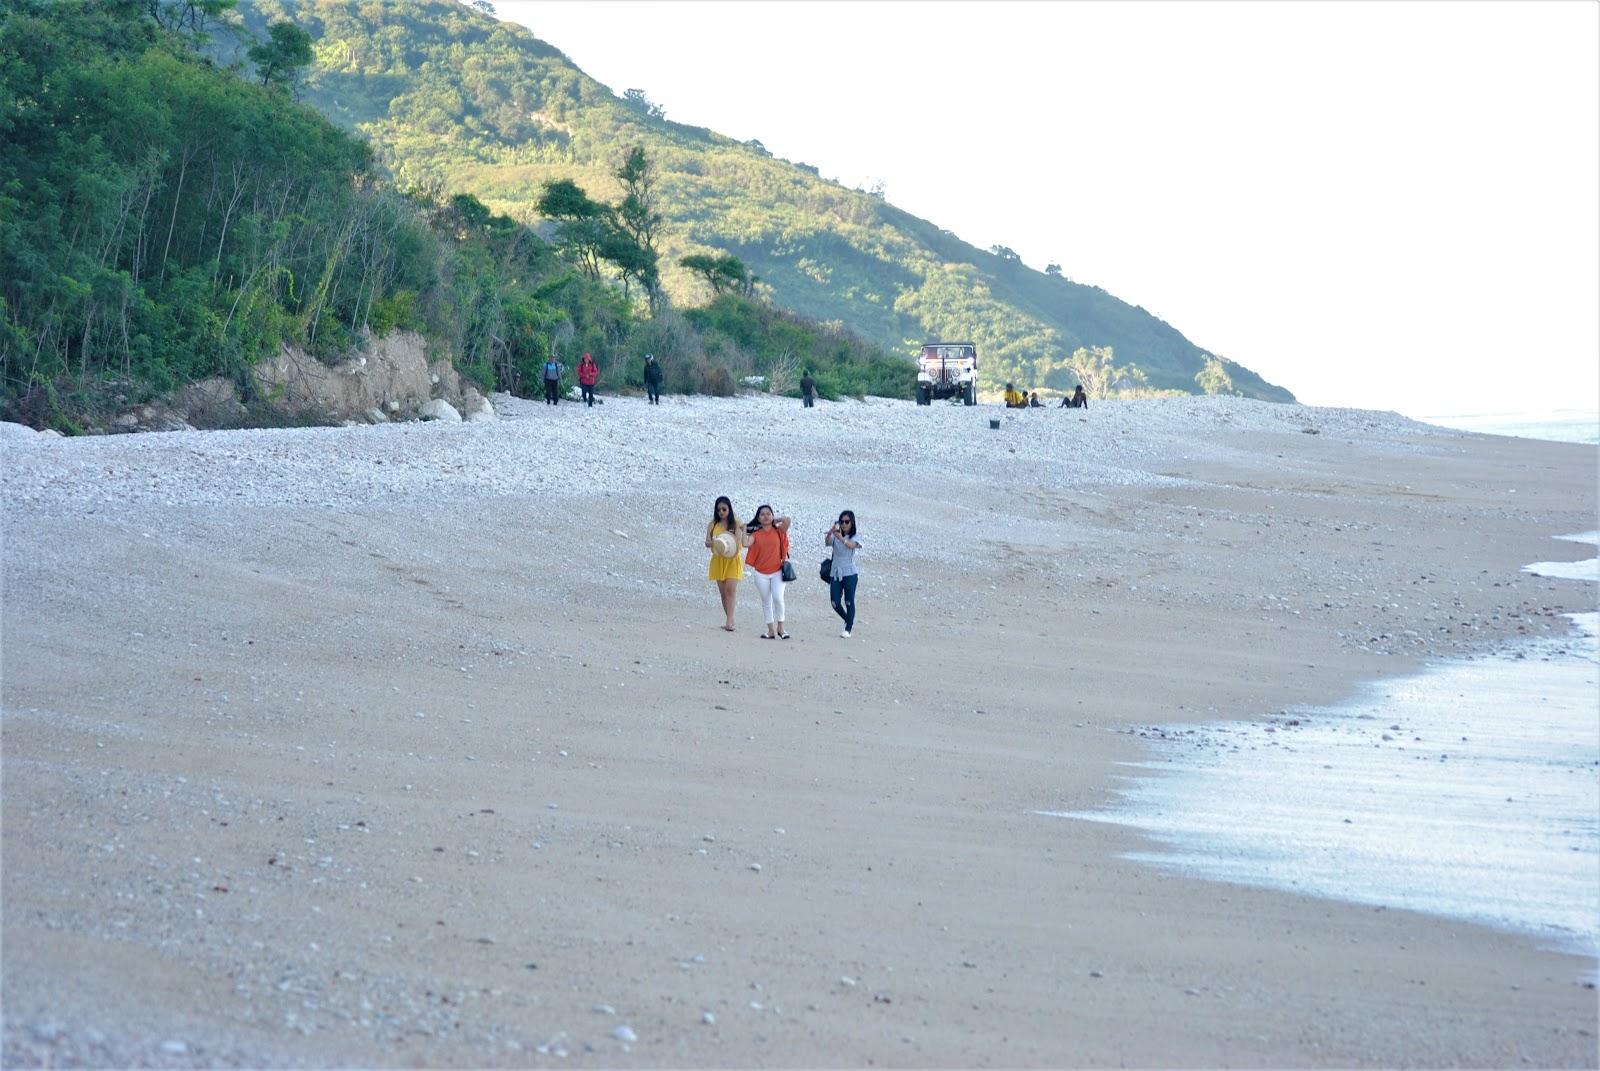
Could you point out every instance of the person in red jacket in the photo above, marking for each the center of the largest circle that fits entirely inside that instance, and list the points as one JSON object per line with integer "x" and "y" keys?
{"x": 588, "y": 375}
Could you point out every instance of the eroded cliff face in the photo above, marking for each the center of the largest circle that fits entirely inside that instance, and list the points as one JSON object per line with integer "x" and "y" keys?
{"x": 393, "y": 378}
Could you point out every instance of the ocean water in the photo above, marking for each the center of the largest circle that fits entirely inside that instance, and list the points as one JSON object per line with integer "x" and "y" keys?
{"x": 1560, "y": 425}
{"x": 1469, "y": 789}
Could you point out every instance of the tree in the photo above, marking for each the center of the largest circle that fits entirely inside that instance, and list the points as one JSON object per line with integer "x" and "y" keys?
{"x": 724, "y": 274}
{"x": 1095, "y": 369}
{"x": 1005, "y": 253}
{"x": 1053, "y": 270}
{"x": 1213, "y": 378}
{"x": 283, "y": 57}
{"x": 639, "y": 217}
{"x": 583, "y": 222}
{"x": 637, "y": 98}
{"x": 191, "y": 17}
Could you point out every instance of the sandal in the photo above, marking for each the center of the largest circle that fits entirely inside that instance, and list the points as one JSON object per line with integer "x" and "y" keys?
{"x": 727, "y": 628}
{"x": 783, "y": 635}
{"x": 765, "y": 636}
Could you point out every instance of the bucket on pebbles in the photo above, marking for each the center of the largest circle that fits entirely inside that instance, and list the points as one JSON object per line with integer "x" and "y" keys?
{"x": 994, "y": 423}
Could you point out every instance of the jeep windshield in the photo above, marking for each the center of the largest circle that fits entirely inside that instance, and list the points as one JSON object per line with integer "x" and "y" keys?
{"x": 949, "y": 351}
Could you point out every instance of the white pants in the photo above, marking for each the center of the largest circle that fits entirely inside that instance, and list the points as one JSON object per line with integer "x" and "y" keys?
{"x": 770, "y": 585}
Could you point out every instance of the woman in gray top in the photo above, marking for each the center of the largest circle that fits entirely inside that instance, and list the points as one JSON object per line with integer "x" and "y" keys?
{"x": 842, "y": 579}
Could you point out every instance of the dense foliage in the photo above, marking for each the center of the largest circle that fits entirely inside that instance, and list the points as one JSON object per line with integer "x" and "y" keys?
{"x": 168, "y": 212}
{"x": 450, "y": 96}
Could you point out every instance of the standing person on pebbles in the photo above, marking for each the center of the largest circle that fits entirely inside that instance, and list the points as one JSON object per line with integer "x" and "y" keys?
{"x": 724, "y": 538}
{"x": 588, "y": 376}
{"x": 842, "y": 573}
{"x": 652, "y": 379}
{"x": 552, "y": 380}
{"x": 768, "y": 540}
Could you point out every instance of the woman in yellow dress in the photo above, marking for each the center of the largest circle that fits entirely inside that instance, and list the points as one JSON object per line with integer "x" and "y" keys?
{"x": 725, "y": 538}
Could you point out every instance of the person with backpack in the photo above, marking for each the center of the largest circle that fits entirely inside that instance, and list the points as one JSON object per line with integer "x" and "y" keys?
{"x": 588, "y": 376}
{"x": 552, "y": 380}
{"x": 652, "y": 378}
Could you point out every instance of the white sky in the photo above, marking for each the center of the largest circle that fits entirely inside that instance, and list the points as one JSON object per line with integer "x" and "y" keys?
{"x": 1386, "y": 204}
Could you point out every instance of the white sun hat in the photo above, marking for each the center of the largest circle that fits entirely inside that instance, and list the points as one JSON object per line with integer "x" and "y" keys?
{"x": 724, "y": 544}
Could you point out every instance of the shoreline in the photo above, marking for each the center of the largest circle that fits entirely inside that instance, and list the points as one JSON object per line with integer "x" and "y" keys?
{"x": 1221, "y": 802}
{"x": 533, "y": 589}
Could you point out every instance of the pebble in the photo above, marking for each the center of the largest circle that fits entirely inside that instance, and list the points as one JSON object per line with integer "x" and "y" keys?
{"x": 708, "y": 1019}
{"x": 174, "y": 1048}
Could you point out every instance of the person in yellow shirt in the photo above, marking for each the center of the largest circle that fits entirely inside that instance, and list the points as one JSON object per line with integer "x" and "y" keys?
{"x": 1015, "y": 399}
{"x": 726, "y": 567}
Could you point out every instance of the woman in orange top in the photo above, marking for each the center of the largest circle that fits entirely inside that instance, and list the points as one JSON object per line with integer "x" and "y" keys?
{"x": 769, "y": 547}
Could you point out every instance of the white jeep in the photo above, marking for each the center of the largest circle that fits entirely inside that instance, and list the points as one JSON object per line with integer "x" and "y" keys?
{"x": 947, "y": 370}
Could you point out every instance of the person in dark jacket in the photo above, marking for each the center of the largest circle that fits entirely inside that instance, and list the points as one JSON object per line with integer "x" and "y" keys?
{"x": 588, "y": 376}
{"x": 652, "y": 379}
{"x": 1079, "y": 400}
{"x": 808, "y": 390}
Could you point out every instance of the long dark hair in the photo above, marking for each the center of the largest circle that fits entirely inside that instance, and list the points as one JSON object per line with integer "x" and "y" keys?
{"x": 852, "y": 515}
{"x": 757, "y": 514}
{"x": 732, "y": 522}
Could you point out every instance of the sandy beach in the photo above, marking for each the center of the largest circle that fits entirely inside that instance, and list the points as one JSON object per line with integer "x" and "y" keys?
{"x": 421, "y": 745}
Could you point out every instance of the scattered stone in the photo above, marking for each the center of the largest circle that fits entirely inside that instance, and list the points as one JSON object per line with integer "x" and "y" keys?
{"x": 603, "y": 1009}
{"x": 708, "y": 1019}
{"x": 174, "y": 1048}
{"x": 757, "y": 866}
{"x": 439, "y": 409}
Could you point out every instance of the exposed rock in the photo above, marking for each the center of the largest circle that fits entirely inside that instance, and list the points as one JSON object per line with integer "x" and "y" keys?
{"x": 17, "y": 433}
{"x": 376, "y": 416}
{"x": 439, "y": 409}
{"x": 392, "y": 375}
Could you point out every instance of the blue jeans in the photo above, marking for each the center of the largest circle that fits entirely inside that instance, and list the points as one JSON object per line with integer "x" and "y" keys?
{"x": 842, "y": 590}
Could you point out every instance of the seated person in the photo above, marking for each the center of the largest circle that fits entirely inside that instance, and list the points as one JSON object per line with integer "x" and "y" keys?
{"x": 1034, "y": 402}
{"x": 1079, "y": 400}
{"x": 1014, "y": 398}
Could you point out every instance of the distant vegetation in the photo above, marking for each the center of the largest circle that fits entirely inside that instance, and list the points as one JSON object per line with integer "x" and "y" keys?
{"x": 454, "y": 100}
{"x": 168, "y": 212}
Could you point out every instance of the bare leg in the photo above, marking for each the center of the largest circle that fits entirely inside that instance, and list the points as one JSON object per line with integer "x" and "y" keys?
{"x": 729, "y": 590}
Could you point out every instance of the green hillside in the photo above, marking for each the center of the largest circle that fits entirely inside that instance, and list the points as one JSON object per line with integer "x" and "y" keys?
{"x": 167, "y": 218}
{"x": 457, "y": 101}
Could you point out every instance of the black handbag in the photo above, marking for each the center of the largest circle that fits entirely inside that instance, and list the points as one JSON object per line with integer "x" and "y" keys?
{"x": 787, "y": 571}
{"x": 825, "y": 571}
